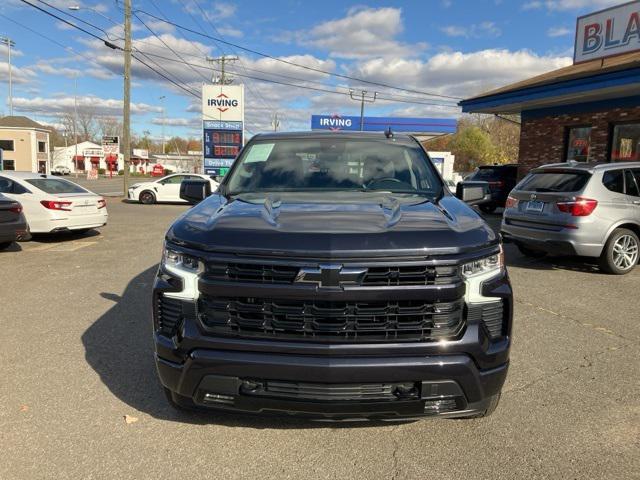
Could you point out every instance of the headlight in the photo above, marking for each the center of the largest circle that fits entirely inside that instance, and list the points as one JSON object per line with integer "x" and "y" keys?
{"x": 492, "y": 263}
{"x": 175, "y": 259}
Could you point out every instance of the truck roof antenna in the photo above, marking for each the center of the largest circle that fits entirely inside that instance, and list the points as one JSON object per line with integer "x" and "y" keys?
{"x": 388, "y": 133}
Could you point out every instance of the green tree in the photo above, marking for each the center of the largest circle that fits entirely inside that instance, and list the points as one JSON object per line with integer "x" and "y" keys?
{"x": 472, "y": 147}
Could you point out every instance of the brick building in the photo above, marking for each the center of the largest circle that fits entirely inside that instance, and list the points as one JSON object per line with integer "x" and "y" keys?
{"x": 585, "y": 112}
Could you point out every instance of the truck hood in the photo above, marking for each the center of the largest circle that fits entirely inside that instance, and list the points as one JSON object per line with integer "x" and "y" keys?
{"x": 355, "y": 225}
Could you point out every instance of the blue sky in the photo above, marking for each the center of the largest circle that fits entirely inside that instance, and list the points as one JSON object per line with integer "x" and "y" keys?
{"x": 454, "y": 48}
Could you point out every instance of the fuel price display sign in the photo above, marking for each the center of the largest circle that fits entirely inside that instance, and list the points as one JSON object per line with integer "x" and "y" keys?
{"x": 222, "y": 143}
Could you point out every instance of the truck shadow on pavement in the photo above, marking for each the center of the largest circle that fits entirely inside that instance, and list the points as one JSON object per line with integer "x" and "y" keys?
{"x": 119, "y": 347}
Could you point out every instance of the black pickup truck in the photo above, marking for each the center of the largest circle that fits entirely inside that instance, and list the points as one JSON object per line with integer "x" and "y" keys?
{"x": 332, "y": 275}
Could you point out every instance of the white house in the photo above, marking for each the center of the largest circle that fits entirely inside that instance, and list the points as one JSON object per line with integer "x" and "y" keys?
{"x": 85, "y": 156}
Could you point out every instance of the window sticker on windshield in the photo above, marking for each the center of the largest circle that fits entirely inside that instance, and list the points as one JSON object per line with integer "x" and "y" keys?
{"x": 259, "y": 152}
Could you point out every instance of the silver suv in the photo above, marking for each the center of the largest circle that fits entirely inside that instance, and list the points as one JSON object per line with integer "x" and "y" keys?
{"x": 586, "y": 209}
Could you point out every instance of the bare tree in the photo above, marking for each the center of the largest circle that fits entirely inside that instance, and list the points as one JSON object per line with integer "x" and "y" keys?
{"x": 109, "y": 126}
{"x": 86, "y": 125}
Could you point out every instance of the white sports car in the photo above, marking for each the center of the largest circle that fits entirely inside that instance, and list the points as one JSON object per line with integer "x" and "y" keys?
{"x": 165, "y": 189}
{"x": 52, "y": 204}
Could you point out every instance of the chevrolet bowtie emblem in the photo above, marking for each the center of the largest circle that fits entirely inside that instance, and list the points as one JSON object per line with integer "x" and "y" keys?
{"x": 331, "y": 276}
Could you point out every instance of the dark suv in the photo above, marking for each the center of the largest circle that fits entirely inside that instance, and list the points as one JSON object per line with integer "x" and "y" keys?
{"x": 499, "y": 181}
{"x": 332, "y": 275}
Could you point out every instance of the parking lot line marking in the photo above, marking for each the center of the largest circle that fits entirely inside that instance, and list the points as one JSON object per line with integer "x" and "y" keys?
{"x": 41, "y": 248}
{"x": 71, "y": 247}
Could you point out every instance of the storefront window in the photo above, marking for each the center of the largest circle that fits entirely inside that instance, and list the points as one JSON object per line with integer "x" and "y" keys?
{"x": 625, "y": 146}
{"x": 578, "y": 143}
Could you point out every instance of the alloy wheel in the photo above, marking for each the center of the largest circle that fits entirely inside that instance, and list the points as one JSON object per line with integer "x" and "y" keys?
{"x": 625, "y": 252}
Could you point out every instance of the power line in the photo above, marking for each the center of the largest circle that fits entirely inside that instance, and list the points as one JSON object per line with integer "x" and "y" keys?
{"x": 306, "y": 67}
{"x": 111, "y": 45}
{"x": 249, "y": 87}
{"x": 182, "y": 87}
{"x": 165, "y": 44}
{"x": 114, "y": 47}
{"x": 61, "y": 45}
{"x": 75, "y": 18}
{"x": 324, "y": 90}
{"x": 106, "y": 42}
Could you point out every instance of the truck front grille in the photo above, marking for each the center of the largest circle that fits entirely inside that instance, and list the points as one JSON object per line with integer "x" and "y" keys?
{"x": 332, "y": 321}
{"x": 376, "y": 275}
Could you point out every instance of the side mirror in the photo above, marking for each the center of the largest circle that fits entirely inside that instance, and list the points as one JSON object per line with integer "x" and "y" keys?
{"x": 473, "y": 194}
{"x": 194, "y": 191}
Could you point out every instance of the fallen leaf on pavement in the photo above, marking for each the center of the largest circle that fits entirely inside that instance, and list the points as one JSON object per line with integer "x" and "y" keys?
{"x": 129, "y": 419}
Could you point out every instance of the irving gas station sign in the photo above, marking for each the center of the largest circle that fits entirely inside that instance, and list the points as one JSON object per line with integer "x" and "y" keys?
{"x": 609, "y": 32}
{"x": 223, "y": 126}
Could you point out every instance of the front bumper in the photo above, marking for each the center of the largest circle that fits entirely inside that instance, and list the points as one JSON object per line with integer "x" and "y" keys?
{"x": 218, "y": 379}
{"x": 451, "y": 378}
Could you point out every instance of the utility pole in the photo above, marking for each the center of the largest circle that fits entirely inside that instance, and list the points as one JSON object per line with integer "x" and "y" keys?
{"x": 126, "y": 133}
{"x": 222, "y": 60}
{"x": 275, "y": 123}
{"x": 75, "y": 123}
{"x": 9, "y": 43}
{"x": 363, "y": 99}
{"x": 163, "y": 120}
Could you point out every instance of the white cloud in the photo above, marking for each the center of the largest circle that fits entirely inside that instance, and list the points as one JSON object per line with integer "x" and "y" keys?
{"x": 99, "y": 106}
{"x": 19, "y": 75}
{"x": 363, "y": 32}
{"x": 476, "y": 30}
{"x": 568, "y": 4}
{"x": 454, "y": 31}
{"x": 223, "y": 10}
{"x": 559, "y": 31}
{"x": 219, "y": 10}
{"x": 230, "y": 32}
{"x": 460, "y": 74}
{"x": 178, "y": 122}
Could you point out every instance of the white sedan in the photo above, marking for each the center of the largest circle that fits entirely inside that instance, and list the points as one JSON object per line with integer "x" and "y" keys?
{"x": 52, "y": 204}
{"x": 165, "y": 189}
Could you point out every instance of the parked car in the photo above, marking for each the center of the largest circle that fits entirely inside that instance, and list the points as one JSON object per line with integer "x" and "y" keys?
{"x": 61, "y": 170}
{"x": 54, "y": 204}
{"x": 165, "y": 189}
{"x": 332, "y": 275}
{"x": 500, "y": 179}
{"x": 13, "y": 226}
{"x": 586, "y": 209}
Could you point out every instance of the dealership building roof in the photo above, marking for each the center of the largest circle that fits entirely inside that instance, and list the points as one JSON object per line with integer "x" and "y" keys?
{"x": 597, "y": 80}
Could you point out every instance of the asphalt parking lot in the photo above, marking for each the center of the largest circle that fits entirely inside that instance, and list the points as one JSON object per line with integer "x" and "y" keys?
{"x": 79, "y": 396}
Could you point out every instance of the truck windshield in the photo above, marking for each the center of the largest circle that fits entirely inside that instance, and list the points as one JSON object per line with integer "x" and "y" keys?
{"x": 329, "y": 164}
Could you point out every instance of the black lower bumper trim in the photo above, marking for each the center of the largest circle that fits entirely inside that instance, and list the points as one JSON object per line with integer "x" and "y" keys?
{"x": 189, "y": 380}
{"x": 549, "y": 246}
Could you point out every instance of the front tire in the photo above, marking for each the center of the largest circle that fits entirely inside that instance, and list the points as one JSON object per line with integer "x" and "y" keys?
{"x": 620, "y": 253}
{"x": 147, "y": 197}
{"x": 5, "y": 245}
